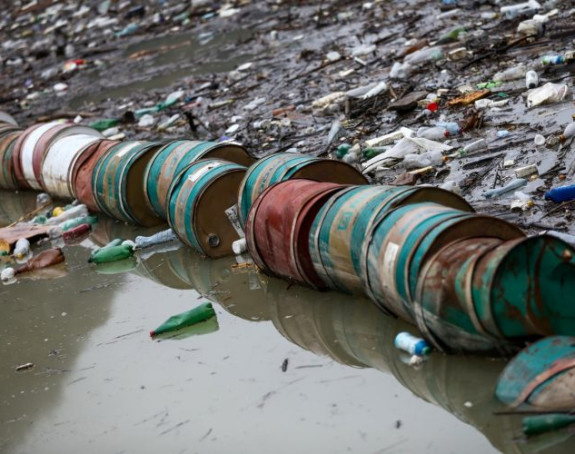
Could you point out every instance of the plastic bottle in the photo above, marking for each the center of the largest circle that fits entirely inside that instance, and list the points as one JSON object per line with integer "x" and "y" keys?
{"x": 520, "y": 9}
{"x": 515, "y": 184}
{"x": 197, "y": 315}
{"x": 534, "y": 425}
{"x": 411, "y": 344}
{"x": 165, "y": 236}
{"x": 102, "y": 125}
{"x": 531, "y": 79}
{"x": 514, "y": 73}
{"x": 474, "y": 147}
{"x": 342, "y": 150}
{"x": 432, "y": 133}
{"x": 369, "y": 153}
{"x": 72, "y": 213}
{"x": 552, "y": 60}
{"x": 562, "y": 194}
{"x": 7, "y": 274}
{"x": 568, "y": 133}
{"x": 452, "y": 127}
{"x": 78, "y": 231}
{"x": 43, "y": 199}
{"x": 22, "y": 248}
{"x": 112, "y": 254}
{"x": 73, "y": 223}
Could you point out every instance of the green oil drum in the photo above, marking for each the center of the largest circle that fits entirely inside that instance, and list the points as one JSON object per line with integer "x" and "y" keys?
{"x": 172, "y": 158}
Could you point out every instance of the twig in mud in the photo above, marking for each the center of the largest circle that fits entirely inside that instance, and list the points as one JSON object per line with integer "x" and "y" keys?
{"x": 556, "y": 209}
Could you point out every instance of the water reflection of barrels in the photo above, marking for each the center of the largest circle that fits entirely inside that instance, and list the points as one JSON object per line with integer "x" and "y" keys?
{"x": 12, "y": 206}
{"x": 239, "y": 290}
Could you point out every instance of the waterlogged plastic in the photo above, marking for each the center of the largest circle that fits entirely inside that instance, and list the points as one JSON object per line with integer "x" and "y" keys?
{"x": 197, "y": 315}
{"x": 165, "y": 236}
{"x": 514, "y": 73}
{"x": 546, "y": 94}
{"x": 432, "y": 132}
{"x": 498, "y": 192}
{"x": 112, "y": 254}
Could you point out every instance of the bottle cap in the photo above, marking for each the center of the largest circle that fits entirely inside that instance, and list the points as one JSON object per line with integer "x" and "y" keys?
{"x": 426, "y": 351}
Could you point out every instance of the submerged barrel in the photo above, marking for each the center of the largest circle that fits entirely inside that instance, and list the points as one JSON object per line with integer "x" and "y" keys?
{"x": 171, "y": 159}
{"x": 118, "y": 183}
{"x": 443, "y": 306}
{"x": 344, "y": 223}
{"x": 59, "y": 160}
{"x": 82, "y": 171}
{"x": 287, "y": 166}
{"x": 202, "y": 206}
{"x": 278, "y": 228}
{"x": 7, "y": 141}
{"x": 525, "y": 287}
{"x": 405, "y": 238}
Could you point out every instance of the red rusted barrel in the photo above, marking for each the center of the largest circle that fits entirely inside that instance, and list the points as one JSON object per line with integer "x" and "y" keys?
{"x": 7, "y": 141}
{"x": 278, "y": 228}
{"x": 84, "y": 169}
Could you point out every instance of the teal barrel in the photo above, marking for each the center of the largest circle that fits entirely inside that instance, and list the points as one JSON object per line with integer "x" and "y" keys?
{"x": 344, "y": 223}
{"x": 8, "y": 138}
{"x": 285, "y": 166}
{"x": 202, "y": 206}
{"x": 118, "y": 182}
{"x": 541, "y": 376}
{"x": 442, "y": 306}
{"x": 525, "y": 287}
{"x": 172, "y": 158}
{"x": 407, "y": 237}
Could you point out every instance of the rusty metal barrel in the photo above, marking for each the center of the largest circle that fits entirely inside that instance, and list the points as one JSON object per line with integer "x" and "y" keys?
{"x": 287, "y": 166}
{"x": 8, "y": 139}
{"x": 171, "y": 159}
{"x": 443, "y": 305}
{"x": 118, "y": 182}
{"x": 525, "y": 287}
{"x": 59, "y": 160}
{"x": 81, "y": 175}
{"x": 278, "y": 228}
{"x": 5, "y": 117}
{"x": 202, "y": 206}
{"x": 344, "y": 223}
{"x": 44, "y": 144}
{"x": 405, "y": 238}
{"x": 23, "y": 150}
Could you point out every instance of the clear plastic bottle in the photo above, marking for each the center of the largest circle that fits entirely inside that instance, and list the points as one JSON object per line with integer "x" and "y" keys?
{"x": 514, "y": 73}
{"x": 531, "y": 79}
{"x": 22, "y": 248}
{"x": 432, "y": 132}
{"x": 165, "y": 236}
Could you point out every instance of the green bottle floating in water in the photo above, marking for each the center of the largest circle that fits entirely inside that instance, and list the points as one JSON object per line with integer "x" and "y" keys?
{"x": 535, "y": 425}
{"x": 112, "y": 254}
{"x": 205, "y": 327}
{"x": 197, "y": 315}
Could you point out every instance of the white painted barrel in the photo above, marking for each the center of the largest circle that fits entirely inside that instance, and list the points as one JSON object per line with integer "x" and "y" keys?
{"x": 27, "y": 153}
{"x": 59, "y": 162}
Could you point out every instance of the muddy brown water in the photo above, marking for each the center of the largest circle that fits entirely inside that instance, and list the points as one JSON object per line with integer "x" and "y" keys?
{"x": 99, "y": 383}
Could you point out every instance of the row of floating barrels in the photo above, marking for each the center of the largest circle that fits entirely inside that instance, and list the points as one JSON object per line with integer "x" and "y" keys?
{"x": 470, "y": 282}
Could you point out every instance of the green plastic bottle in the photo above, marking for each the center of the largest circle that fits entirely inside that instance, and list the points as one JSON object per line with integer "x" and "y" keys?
{"x": 197, "y": 315}
{"x": 72, "y": 223}
{"x": 535, "y": 425}
{"x": 369, "y": 153}
{"x": 342, "y": 150}
{"x": 102, "y": 125}
{"x": 112, "y": 254}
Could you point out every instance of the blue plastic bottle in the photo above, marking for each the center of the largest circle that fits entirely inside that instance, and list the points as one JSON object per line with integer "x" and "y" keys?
{"x": 562, "y": 194}
{"x": 411, "y": 344}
